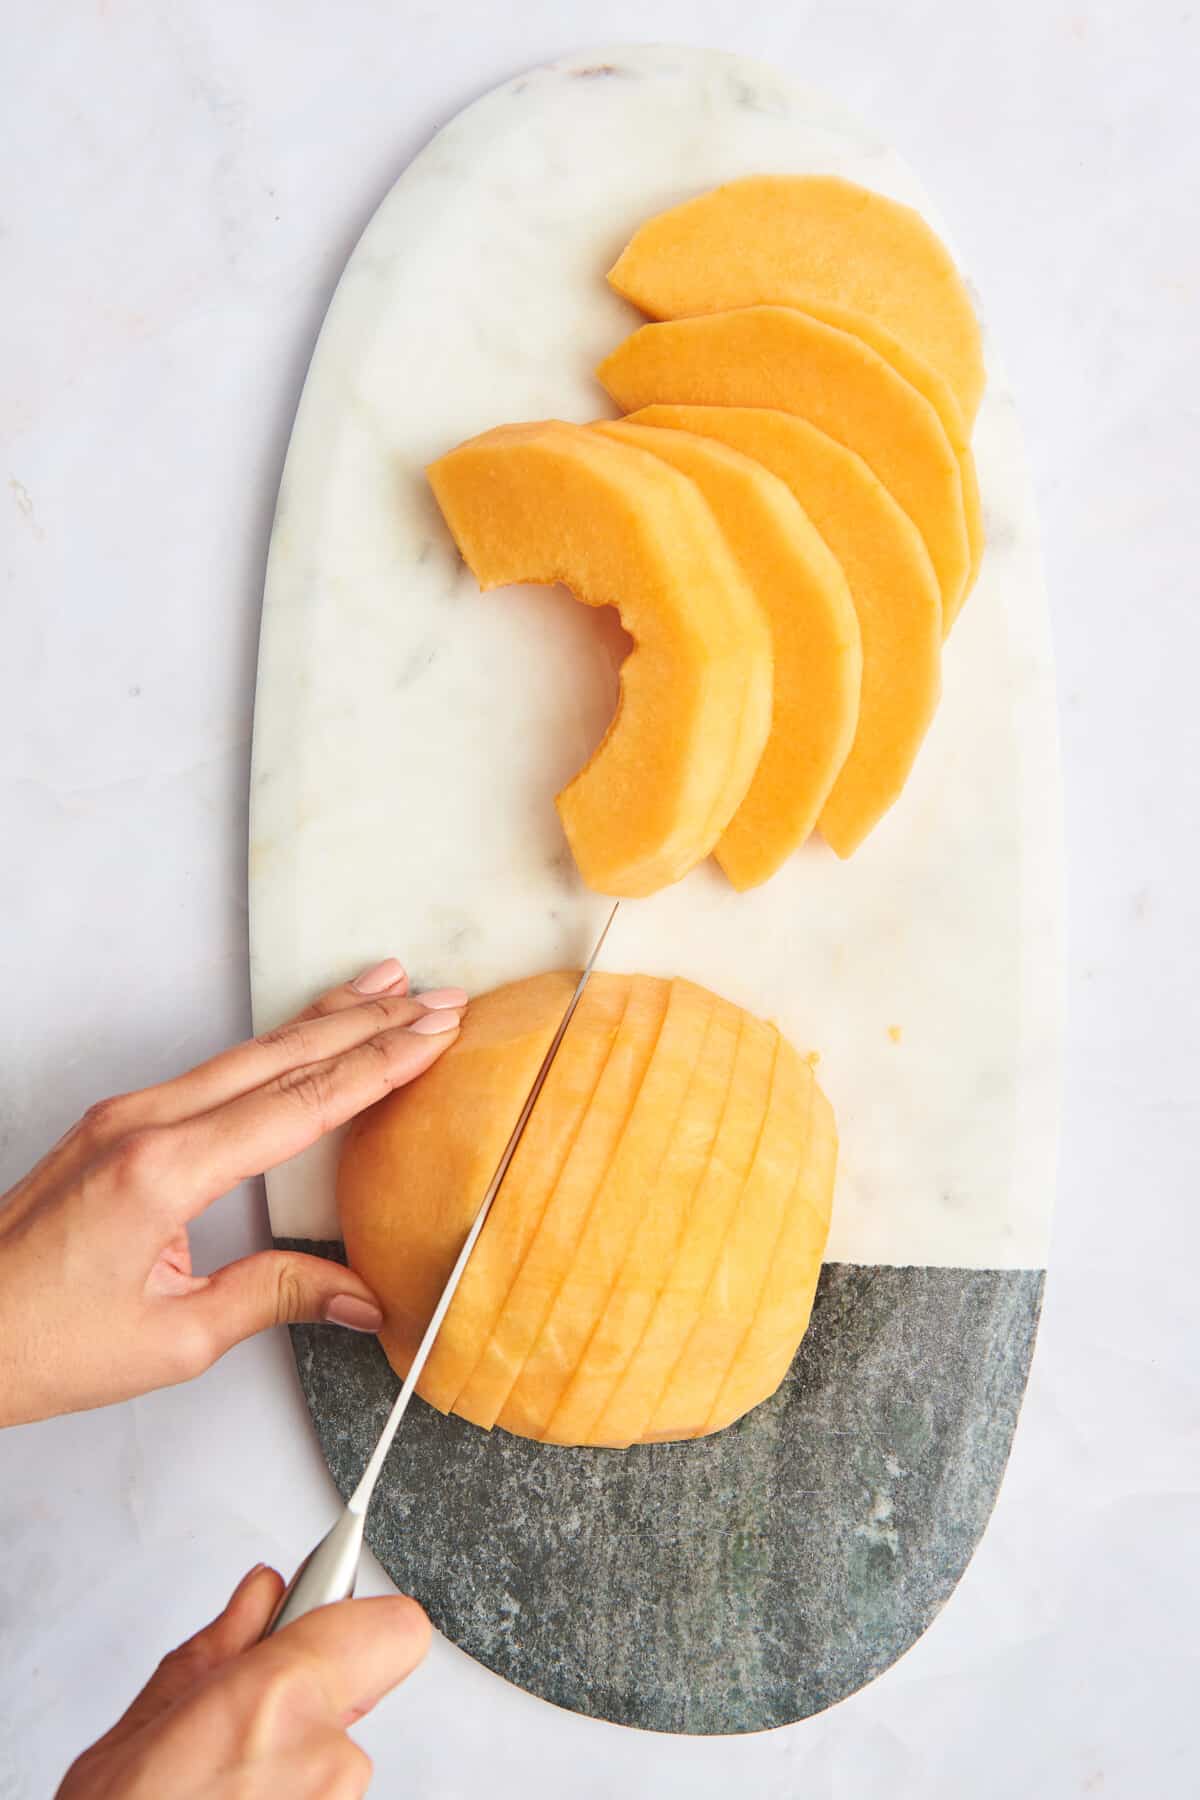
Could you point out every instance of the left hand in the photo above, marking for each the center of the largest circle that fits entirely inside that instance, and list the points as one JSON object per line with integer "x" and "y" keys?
{"x": 97, "y": 1295}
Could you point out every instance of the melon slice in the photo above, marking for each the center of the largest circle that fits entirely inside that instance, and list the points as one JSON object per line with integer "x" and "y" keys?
{"x": 736, "y": 1124}
{"x": 553, "y": 1245}
{"x": 942, "y": 398}
{"x": 816, "y": 645}
{"x": 650, "y": 1188}
{"x": 810, "y": 241}
{"x": 785, "y": 1303}
{"x": 500, "y": 1046}
{"x": 739, "y": 1274}
{"x": 554, "y": 502}
{"x": 538, "y": 1404}
{"x": 892, "y": 583}
{"x": 495, "y": 1034}
{"x": 773, "y": 356}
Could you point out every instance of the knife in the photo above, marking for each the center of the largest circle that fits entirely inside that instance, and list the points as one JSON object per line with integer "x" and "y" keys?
{"x": 329, "y": 1571}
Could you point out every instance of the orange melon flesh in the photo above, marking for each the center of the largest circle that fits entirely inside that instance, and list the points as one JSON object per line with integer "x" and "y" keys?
{"x": 541, "y": 1154}
{"x": 621, "y": 1349}
{"x": 563, "y": 1382}
{"x": 942, "y": 398}
{"x": 785, "y": 1302}
{"x": 739, "y": 1274}
{"x": 773, "y": 356}
{"x": 552, "y": 1249}
{"x": 449, "y": 1136}
{"x": 626, "y": 1415}
{"x": 815, "y": 641}
{"x": 891, "y": 581}
{"x": 553, "y": 502}
{"x": 810, "y": 241}
{"x": 650, "y": 1183}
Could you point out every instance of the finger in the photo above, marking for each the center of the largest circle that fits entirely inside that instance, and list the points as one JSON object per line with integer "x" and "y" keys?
{"x": 211, "y": 1153}
{"x": 236, "y": 1628}
{"x": 279, "y": 1287}
{"x": 361, "y": 1649}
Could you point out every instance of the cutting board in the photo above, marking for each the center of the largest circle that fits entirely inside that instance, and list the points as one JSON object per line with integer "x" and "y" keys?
{"x": 409, "y": 737}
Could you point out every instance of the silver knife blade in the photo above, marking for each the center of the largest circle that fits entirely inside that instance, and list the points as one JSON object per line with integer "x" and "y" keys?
{"x": 330, "y": 1570}
{"x": 362, "y": 1493}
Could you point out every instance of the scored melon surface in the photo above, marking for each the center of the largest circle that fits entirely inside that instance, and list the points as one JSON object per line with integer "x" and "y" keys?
{"x": 649, "y": 1265}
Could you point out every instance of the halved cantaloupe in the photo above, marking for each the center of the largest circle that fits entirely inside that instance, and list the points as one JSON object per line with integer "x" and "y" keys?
{"x": 892, "y": 583}
{"x": 685, "y": 1124}
{"x": 774, "y": 356}
{"x": 816, "y": 644}
{"x": 808, "y": 241}
{"x": 553, "y": 502}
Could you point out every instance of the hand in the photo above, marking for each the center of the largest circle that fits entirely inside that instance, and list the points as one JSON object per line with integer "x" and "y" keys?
{"x": 97, "y": 1293}
{"x": 225, "y": 1717}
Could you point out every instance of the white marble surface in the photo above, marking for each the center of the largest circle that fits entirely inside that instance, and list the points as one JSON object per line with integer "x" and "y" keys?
{"x": 182, "y": 187}
{"x": 398, "y": 705}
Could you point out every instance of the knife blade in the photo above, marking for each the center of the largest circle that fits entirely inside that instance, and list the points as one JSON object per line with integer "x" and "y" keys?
{"x": 329, "y": 1571}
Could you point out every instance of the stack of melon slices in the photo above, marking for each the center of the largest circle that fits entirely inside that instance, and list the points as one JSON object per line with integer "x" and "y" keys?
{"x": 788, "y": 521}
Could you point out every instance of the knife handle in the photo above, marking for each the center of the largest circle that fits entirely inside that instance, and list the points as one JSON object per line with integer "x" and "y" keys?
{"x": 328, "y": 1573}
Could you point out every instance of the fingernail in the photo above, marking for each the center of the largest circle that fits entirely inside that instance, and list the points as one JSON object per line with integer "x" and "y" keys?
{"x": 439, "y": 997}
{"x": 375, "y": 980}
{"x": 355, "y": 1314}
{"x": 431, "y": 1024}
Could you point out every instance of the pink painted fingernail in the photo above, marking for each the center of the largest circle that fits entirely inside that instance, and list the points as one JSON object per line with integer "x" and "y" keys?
{"x": 431, "y": 1024}
{"x": 355, "y": 1314}
{"x": 378, "y": 979}
{"x": 439, "y": 997}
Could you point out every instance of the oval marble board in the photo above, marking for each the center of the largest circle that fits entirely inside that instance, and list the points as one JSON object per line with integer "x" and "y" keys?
{"x": 409, "y": 737}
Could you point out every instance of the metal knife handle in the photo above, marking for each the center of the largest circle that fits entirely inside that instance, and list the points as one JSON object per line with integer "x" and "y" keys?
{"x": 328, "y": 1572}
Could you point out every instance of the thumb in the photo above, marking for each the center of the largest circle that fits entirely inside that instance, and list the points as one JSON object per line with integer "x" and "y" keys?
{"x": 282, "y": 1287}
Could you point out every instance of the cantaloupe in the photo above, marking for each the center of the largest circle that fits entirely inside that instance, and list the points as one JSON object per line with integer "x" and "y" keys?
{"x": 892, "y": 583}
{"x": 816, "y": 645}
{"x": 774, "y": 356}
{"x": 550, "y": 502}
{"x": 625, "y": 1287}
{"x": 811, "y": 241}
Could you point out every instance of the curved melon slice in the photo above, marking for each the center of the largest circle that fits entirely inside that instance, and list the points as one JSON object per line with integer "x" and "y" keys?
{"x": 773, "y": 356}
{"x": 740, "y": 1269}
{"x": 566, "y": 1377}
{"x": 815, "y": 637}
{"x": 942, "y": 398}
{"x": 553, "y": 502}
{"x": 807, "y": 241}
{"x": 891, "y": 580}
{"x": 496, "y": 1052}
{"x": 626, "y": 1413}
{"x": 785, "y": 1303}
{"x": 553, "y": 1244}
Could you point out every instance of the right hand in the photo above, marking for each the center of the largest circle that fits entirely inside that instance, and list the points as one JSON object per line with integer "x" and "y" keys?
{"x": 226, "y": 1717}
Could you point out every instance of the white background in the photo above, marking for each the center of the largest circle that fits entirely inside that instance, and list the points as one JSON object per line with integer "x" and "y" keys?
{"x": 179, "y": 187}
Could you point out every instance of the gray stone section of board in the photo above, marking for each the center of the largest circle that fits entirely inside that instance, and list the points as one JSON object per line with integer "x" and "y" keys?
{"x": 733, "y": 1583}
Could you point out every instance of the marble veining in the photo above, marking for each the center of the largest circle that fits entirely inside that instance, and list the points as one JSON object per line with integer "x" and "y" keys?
{"x": 728, "y": 1585}
{"x": 410, "y": 733}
